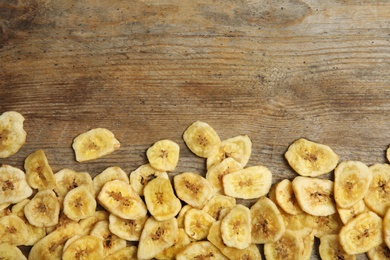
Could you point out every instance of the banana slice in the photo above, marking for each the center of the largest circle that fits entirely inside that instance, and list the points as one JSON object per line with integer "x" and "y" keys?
{"x": 200, "y": 250}
{"x": 111, "y": 242}
{"x": 217, "y": 203}
{"x": 289, "y": 246}
{"x": 13, "y": 230}
{"x": 327, "y": 225}
{"x": 10, "y": 252}
{"x": 381, "y": 252}
{"x": 13, "y": 185}
{"x": 308, "y": 244}
{"x": 285, "y": 197}
{"x": 170, "y": 253}
{"x": 94, "y": 144}
{"x": 236, "y": 227}
{"x": 239, "y": 148}
{"x": 378, "y": 195}
{"x": 312, "y": 159}
{"x": 215, "y": 173}
{"x": 267, "y": 222}
{"x": 85, "y": 247}
{"x": 314, "y": 195}
{"x": 156, "y": 236}
{"x": 161, "y": 200}
{"x": 351, "y": 182}
{"x": 109, "y": 174}
{"x": 79, "y": 203}
{"x": 181, "y": 215}
{"x": 216, "y": 157}
{"x": 12, "y": 133}
{"x": 39, "y": 174}
{"x": 249, "y": 183}
{"x": 352, "y": 212}
{"x": 201, "y": 139}
{"x": 386, "y": 228}
{"x": 119, "y": 198}
{"x": 301, "y": 224}
{"x": 43, "y": 209}
{"x": 197, "y": 223}
{"x": 63, "y": 223}
{"x": 142, "y": 175}
{"x": 330, "y": 248}
{"x": 126, "y": 253}
{"x": 193, "y": 189}
{"x": 163, "y": 155}
{"x": 87, "y": 224}
{"x": 361, "y": 233}
{"x": 215, "y": 237}
{"x": 128, "y": 229}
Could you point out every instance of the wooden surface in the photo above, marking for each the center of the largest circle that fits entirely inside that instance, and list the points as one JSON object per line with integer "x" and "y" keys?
{"x": 276, "y": 70}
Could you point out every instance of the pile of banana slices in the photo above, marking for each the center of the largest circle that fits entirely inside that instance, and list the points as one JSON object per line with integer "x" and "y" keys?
{"x": 155, "y": 213}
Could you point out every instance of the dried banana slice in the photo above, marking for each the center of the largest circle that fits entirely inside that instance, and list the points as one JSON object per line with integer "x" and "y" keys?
{"x": 156, "y": 236}
{"x": 215, "y": 237}
{"x": 197, "y": 223}
{"x": 327, "y": 225}
{"x": 13, "y": 230}
{"x": 126, "y": 253}
{"x": 314, "y": 195}
{"x": 119, "y": 198}
{"x": 128, "y": 229}
{"x": 289, "y": 246}
{"x": 267, "y": 222}
{"x": 87, "y": 224}
{"x": 79, "y": 203}
{"x": 200, "y": 250}
{"x": 181, "y": 215}
{"x": 218, "y": 202}
{"x": 10, "y": 252}
{"x": 381, "y": 252}
{"x": 285, "y": 197}
{"x": 216, "y": 157}
{"x": 378, "y": 195}
{"x": 362, "y": 233}
{"x": 201, "y": 139}
{"x": 109, "y": 174}
{"x": 161, "y": 200}
{"x": 39, "y": 174}
{"x": 12, "y": 133}
{"x": 352, "y": 212}
{"x": 308, "y": 244}
{"x": 215, "y": 173}
{"x": 330, "y": 248}
{"x": 163, "y": 155}
{"x": 236, "y": 227}
{"x": 312, "y": 159}
{"x": 85, "y": 247}
{"x": 352, "y": 180}
{"x": 170, "y": 253}
{"x": 111, "y": 242}
{"x": 13, "y": 185}
{"x": 94, "y": 144}
{"x": 43, "y": 209}
{"x": 239, "y": 148}
{"x": 249, "y": 183}
{"x": 193, "y": 189}
{"x": 142, "y": 175}
{"x": 301, "y": 224}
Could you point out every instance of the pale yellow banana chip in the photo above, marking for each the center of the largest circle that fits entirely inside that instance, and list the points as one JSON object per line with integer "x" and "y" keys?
{"x": 197, "y": 223}
{"x": 236, "y": 227}
{"x": 216, "y": 157}
{"x": 249, "y": 183}
{"x": 289, "y": 246}
{"x": 43, "y": 209}
{"x": 87, "y": 224}
{"x": 201, "y": 139}
{"x": 327, "y": 225}
{"x": 301, "y": 224}
{"x": 142, "y": 175}
{"x": 157, "y": 236}
{"x": 330, "y": 248}
{"x": 285, "y": 197}
{"x": 119, "y": 198}
{"x": 193, "y": 189}
{"x": 352, "y": 212}
{"x": 378, "y": 196}
{"x": 170, "y": 253}
{"x": 215, "y": 173}
{"x": 351, "y": 182}
{"x": 94, "y": 144}
{"x": 13, "y": 185}
{"x": 381, "y": 252}
{"x": 267, "y": 222}
{"x": 79, "y": 203}
{"x": 12, "y": 133}
{"x": 218, "y": 202}
{"x": 239, "y": 148}
{"x": 128, "y": 229}
{"x": 11, "y": 252}
{"x": 39, "y": 174}
{"x": 200, "y": 250}
{"x": 308, "y": 244}
{"x": 126, "y": 253}
{"x": 181, "y": 215}
{"x": 109, "y": 174}
{"x": 362, "y": 233}
{"x": 314, "y": 195}
{"x": 161, "y": 200}
{"x": 85, "y": 247}
{"x": 312, "y": 159}
{"x": 13, "y": 230}
{"x": 163, "y": 155}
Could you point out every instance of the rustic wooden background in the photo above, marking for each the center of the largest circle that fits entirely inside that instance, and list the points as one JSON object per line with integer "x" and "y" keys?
{"x": 276, "y": 70}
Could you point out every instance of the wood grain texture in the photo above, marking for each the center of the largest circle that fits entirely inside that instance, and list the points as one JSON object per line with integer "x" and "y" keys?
{"x": 146, "y": 69}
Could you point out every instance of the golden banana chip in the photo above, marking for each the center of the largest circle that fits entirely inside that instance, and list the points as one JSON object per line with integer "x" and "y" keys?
{"x": 12, "y": 133}
{"x": 13, "y": 185}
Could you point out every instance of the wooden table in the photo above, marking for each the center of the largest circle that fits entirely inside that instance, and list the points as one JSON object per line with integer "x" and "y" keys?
{"x": 145, "y": 69}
